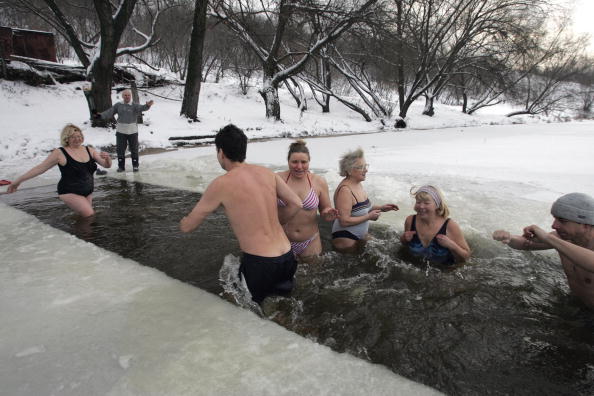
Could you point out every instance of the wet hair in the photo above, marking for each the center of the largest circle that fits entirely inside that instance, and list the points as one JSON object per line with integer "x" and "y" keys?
{"x": 348, "y": 160}
{"x": 298, "y": 146}
{"x": 442, "y": 209}
{"x": 233, "y": 142}
{"x": 68, "y": 131}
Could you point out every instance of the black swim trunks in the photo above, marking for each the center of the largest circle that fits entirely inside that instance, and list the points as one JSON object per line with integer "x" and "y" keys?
{"x": 265, "y": 276}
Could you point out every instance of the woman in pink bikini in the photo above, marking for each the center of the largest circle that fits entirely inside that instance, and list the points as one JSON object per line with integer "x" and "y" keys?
{"x": 302, "y": 230}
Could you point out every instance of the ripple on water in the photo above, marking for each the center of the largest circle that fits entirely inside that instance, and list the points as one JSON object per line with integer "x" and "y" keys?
{"x": 504, "y": 323}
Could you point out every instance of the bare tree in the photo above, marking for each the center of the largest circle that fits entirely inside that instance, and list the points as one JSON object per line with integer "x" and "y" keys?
{"x": 242, "y": 63}
{"x": 541, "y": 91}
{"x": 585, "y": 90}
{"x": 317, "y": 87}
{"x": 280, "y": 58}
{"x": 356, "y": 73}
{"x": 174, "y": 30}
{"x": 324, "y": 74}
{"x": 98, "y": 55}
{"x": 436, "y": 38}
{"x": 194, "y": 76}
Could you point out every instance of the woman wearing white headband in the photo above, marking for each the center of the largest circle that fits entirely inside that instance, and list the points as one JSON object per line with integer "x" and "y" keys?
{"x": 430, "y": 234}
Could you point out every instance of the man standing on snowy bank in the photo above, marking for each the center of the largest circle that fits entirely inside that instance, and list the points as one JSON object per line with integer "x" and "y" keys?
{"x": 572, "y": 238}
{"x": 249, "y": 194}
{"x": 126, "y": 128}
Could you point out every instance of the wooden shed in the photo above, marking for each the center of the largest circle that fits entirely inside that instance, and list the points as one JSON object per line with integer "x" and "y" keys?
{"x": 28, "y": 43}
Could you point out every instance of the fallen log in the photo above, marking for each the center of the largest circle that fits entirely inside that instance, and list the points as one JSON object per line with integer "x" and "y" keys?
{"x": 193, "y": 137}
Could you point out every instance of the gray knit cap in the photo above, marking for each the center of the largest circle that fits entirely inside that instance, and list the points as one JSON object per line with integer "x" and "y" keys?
{"x": 576, "y": 207}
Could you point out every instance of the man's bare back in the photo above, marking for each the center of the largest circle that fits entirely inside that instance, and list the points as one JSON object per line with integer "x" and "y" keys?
{"x": 249, "y": 195}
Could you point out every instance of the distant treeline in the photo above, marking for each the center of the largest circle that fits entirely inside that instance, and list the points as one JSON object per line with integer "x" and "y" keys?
{"x": 376, "y": 57}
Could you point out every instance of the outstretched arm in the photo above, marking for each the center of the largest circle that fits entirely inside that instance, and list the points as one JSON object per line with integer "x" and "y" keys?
{"x": 50, "y": 161}
{"x": 140, "y": 108}
{"x": 210, "y": 201}
{"x": 385, "y": 207}
{"x": 519, "y": 242}
{"x": 580, "y": 256}
{"x": 109, "y": 112}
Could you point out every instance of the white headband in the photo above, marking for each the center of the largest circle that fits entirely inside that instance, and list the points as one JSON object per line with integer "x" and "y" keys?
{"x": 432, "y": 192}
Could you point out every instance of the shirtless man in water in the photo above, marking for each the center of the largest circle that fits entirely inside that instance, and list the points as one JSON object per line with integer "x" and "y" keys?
{"x": 572, "y": 238}
{"x": 249, "y": 193}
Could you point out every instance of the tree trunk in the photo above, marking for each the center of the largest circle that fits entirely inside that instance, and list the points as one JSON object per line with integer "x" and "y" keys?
{"x": 294, "y": 94}
{"x": 102, "y": 77}
{"x": 326, "y": 104}
{"x": 326, "y": 73}
{"x": 519, "y": 112}
{"x": 136, "y": 99}
{"x": 402, "y": 103}
{"x": 269, "y": 93}
{"x": 299, "y": 96}
{"x": 464, "y": 94}
{"x": 404, "y": 107}
{"x": 194, "y": 75}
{"x": 429, "y": 110}
{"x": 101, "y": 74}
{"x": 2, "y": 63}
{"x": 355, "y": 108}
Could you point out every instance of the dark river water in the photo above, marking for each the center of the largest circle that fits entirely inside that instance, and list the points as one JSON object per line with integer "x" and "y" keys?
{"x": 502, "y": 324}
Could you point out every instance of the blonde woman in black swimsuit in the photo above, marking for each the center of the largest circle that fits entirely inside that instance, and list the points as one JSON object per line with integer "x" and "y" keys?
{"x": 77, "y": 164}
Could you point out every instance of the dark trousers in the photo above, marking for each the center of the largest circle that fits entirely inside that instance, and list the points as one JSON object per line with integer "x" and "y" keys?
{"x": 122, "y": 141}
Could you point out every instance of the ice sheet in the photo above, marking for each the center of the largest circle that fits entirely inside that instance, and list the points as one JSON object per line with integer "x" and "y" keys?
{"x": 77, "y": 319}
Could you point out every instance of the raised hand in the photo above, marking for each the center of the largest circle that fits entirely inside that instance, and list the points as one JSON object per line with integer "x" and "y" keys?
{"x": 374, "y": 214}
{"x": 444, "y": 241}
{"x": 534, "y": 233}
{"x": 329, "y": 214}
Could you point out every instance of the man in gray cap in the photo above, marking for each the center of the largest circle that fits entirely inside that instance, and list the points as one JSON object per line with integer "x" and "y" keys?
{"x": 572, "y": 238}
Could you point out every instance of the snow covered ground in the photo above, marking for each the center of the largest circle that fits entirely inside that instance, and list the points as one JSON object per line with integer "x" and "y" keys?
{"x": 80, "y": 320}
{"x": 33, "y": 116}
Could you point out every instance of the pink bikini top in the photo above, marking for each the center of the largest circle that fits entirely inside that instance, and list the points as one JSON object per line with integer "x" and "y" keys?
{"x": 310, "y": 202}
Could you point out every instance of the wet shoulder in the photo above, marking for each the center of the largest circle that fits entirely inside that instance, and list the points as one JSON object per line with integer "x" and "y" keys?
{"x": 318, "y": 181}
{"x": 249, "y": 173}
{"x": 258, "y": 170}
{"x": 452, "y": 226}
